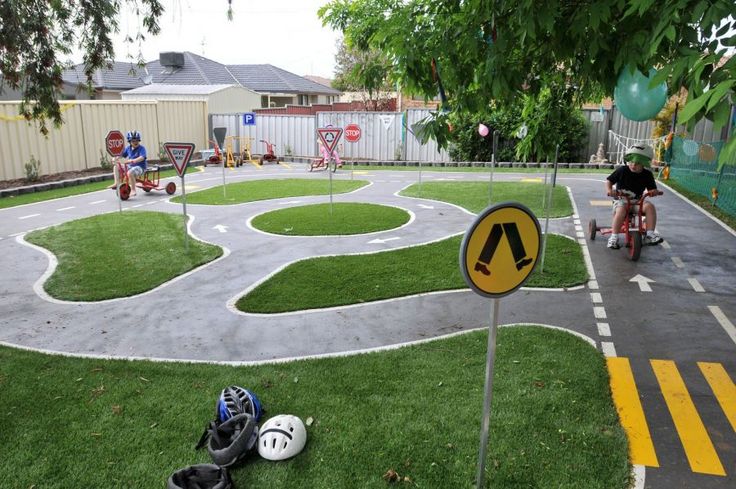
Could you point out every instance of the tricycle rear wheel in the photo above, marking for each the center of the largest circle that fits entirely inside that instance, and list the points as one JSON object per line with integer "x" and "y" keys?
{"x": 592, "y": 229}
{"x": 635, "y": 248}
{"x": 170, "y": 188}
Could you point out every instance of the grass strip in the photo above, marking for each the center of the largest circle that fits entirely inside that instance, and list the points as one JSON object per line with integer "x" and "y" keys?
{"x": 703, "y": 202}
{"x": 119, "y": 255}
{"x": 325, "y": 220}
{"x": 474, "y": 195}
{"x": 57, "y": 193}
{"x": 240, "y": 192}
{"x": 331, "y": 281}
{"x": 415, "y": 410}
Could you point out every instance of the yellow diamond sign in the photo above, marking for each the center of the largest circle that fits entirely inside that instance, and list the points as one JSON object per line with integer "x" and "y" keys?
{"x": 500, "y": 249}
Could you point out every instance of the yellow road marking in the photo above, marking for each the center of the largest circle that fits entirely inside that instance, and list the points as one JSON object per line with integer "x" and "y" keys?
{"x": 723, "y": 388}
{"x": 531, "y": 180}
{"x": 695, "y": 440}
{"x": 191, "y": 187}
{"x": 631, "y": 413}
{"x": 284, "y": 164}
{"x": 601, "y": 203}
{"x": 358, "y": 172}
{"x": 255, "y": 163}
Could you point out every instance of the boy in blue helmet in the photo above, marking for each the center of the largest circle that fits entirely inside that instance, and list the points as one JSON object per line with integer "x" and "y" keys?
{"x": 636, "y": 178}
{"x": 136, "y": 158}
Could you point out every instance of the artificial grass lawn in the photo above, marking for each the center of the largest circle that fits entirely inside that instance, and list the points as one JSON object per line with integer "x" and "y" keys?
{"x": 415, "y": 410}
{"x": 474, "y": 195}
{"x": 325, "y": 282}
{"x": 119, "y": 254}
{"x": 343, "y": 219}
{"x": 240, "y": 192}
{"x": 57, "y": 193}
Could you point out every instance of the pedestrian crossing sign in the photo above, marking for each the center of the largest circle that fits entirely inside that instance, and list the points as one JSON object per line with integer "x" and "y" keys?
{"x": 500, "y": 249}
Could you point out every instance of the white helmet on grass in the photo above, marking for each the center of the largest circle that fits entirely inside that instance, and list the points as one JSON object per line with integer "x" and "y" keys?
{"x": 281, "y": 437}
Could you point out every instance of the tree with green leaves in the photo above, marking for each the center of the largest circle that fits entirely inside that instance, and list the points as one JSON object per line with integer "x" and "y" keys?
{"x": 483, "y": 50}
{"x": 34, "y": 34}
{"x": 367, "y": 72}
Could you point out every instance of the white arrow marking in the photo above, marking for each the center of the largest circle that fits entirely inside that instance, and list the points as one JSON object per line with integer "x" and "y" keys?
{"x": 290, "y": 202}
{"x": 221, "y": 228}
{"x": 643, "y": 282}
{"x": 381, "y": 241}
{"x": 426, "y": 206}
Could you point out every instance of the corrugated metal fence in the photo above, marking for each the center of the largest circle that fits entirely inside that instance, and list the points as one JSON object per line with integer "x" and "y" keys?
{"x": 80, "y": 142}
{"x": 384, "y": 135}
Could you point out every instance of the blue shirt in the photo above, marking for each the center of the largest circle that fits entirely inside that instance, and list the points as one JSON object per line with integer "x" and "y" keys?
{"x": 131, "y": 153}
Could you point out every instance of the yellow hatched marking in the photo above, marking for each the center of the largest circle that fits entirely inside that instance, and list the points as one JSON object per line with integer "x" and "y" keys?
{"x": 531, "y": 180}
{"x": 695, "y": 440}
{"x": 631, "y": 413}
{"x": 601, "y": 203}
{"x": 723, "y": 388}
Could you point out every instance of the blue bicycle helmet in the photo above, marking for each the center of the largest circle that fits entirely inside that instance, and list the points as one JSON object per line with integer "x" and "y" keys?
{"x": 133, "y": 135}
{"x": 236, "y": 400}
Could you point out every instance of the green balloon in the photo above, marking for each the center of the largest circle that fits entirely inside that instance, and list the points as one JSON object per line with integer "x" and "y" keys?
{"x": 635, "y": 99}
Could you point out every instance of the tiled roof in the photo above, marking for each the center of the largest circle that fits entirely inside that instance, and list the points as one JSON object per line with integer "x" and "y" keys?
{"x": 122, "y": 76}
{"x": 197, "y": 70}
{"x": 166, "y": 89}
{"x": 268, "y": 78}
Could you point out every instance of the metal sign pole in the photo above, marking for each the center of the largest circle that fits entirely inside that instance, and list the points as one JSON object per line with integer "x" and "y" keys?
{"x": 117, "y": 187}
{"x": 420, "y": 178}
{"x": 549, "y": 209}
{"x": 184, "y": 201}
{"x": 487, "y": 396}
{"x": 329, "y": 170}
{"x": 493, "y": 163}
{"x": 224, "y": 189}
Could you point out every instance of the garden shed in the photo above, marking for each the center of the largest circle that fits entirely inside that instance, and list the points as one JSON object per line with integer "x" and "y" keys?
{"x": 221, "y": 99}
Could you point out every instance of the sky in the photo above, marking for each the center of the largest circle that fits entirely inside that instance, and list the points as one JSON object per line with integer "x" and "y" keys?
{"x": 284, "y": 33}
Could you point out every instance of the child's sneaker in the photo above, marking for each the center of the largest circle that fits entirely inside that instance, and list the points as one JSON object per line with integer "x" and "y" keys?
{"x": 613, "y": 242}
{"x": 652, "y": 239}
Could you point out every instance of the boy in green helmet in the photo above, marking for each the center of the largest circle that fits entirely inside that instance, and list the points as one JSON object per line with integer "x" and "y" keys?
{"x": 635, "y": 177}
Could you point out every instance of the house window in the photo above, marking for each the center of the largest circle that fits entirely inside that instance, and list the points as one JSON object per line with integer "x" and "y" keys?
{"x": 303, "y": 99}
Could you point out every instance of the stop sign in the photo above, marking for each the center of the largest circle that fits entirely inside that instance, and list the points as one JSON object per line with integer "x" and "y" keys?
{"x": 352, "y": 133}
{"x": 115, "y": 143}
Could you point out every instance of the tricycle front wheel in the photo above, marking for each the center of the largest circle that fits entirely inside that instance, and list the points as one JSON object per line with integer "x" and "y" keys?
{"x": 635, "y": 245}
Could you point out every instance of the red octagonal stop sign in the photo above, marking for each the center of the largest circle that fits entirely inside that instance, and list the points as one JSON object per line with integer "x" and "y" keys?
{"x": 352, "y": 133}
{"x": 115, "y": 143}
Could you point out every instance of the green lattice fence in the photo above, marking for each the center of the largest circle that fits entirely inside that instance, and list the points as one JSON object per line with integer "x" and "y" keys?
{"x": 695, "y": 166}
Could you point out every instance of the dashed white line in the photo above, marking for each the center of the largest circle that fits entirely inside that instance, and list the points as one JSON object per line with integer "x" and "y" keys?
{"x": 28, "y": 216}
{"x": 724, "y": 322}
{"x": 604, "y": 329}
{"x": 596, "y": 298}
{"x": 678, "y": 263}
{"x": 599, "y": 312}
{"x": 696, "y": 285}
{"x": 608, "y": 349}
{"x": 578, "y": 227}
{"x": 593, "y": 284}
{"x": 97, "y": 202}
{"x": 138, "y": 205}
{"x": 15, "y": 234}
{"x": 65, "y": 208}
{"x": 665, "y": 245}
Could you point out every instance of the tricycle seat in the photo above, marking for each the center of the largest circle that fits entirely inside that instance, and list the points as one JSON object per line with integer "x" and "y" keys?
{"x": 152, "y": 169}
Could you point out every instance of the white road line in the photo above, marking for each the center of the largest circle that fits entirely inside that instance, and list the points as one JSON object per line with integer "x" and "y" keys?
{"x": 28, "y": 216}
{"x": 580, "y": 234}
{"x": 608, "y": 349}
{"x": 578, "y": 227}
{"x": 576, "y": 222}
{"x": 599, "y": 312}
{"x": 678, "y": 263}
{"x": 596, "y": 298}
{"x": 604, "y": 329}
{"x": 65, "y": 208}
{"x": 696, "y": 285}
{"x": 724, "y": 321}
{"x": 138, "y": 205}
{"x": 639, "y": 472}
{"x": 97, "y": 202}
{"x": 593, "y": 284}
{"x": 15, "y": 234}
{"x": 665, "y": 245}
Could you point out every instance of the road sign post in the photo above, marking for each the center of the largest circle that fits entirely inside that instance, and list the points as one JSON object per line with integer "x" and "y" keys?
{"x": 498, "y": 253}
{"x": 180, "y": 154}
{"x": 330, "y": 137}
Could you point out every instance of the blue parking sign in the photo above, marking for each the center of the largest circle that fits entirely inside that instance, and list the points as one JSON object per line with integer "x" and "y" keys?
{"x": 249, "y": 119}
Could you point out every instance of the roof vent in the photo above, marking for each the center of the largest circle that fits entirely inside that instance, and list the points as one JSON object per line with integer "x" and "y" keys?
{"x": 171, "y": 61}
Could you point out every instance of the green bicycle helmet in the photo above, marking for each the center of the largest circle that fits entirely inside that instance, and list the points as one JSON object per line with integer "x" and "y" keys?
{"x": 639, "y": 153}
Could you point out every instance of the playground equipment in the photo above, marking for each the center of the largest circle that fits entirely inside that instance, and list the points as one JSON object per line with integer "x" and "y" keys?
{"x": 150, "y": 180}
{"x": 213, "y": 158}
{"x": 633, "y": 226}
{"x": 269, "y": 155}
{"x": 323, "y": 163}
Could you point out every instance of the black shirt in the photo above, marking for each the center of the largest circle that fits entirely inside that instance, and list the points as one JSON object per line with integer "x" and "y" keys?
{"x": 625, "y": 179}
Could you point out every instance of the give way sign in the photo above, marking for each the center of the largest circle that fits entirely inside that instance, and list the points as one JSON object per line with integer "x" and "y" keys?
{"x": 329, "y": 136}
{"x": 179, "y": 154}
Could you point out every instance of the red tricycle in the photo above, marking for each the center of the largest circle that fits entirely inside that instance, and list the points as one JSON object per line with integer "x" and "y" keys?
{"x": 633, "y": 227}
{"x": 269, "y": 155}
{"x": 323, "y": 163}
{"x": 149, "y": 181}
{"x": 216, "y": 157}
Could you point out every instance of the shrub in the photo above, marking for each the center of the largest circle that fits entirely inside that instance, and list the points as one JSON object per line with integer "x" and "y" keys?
{"x": 105, "y": 161}
{"x": 33, "y": 169}
{"x": 468, "y": 145}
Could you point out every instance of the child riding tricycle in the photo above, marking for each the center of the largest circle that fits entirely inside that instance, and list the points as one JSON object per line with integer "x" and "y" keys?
{"x": 131, "y": 170}
{"x": 633, "y": 215}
